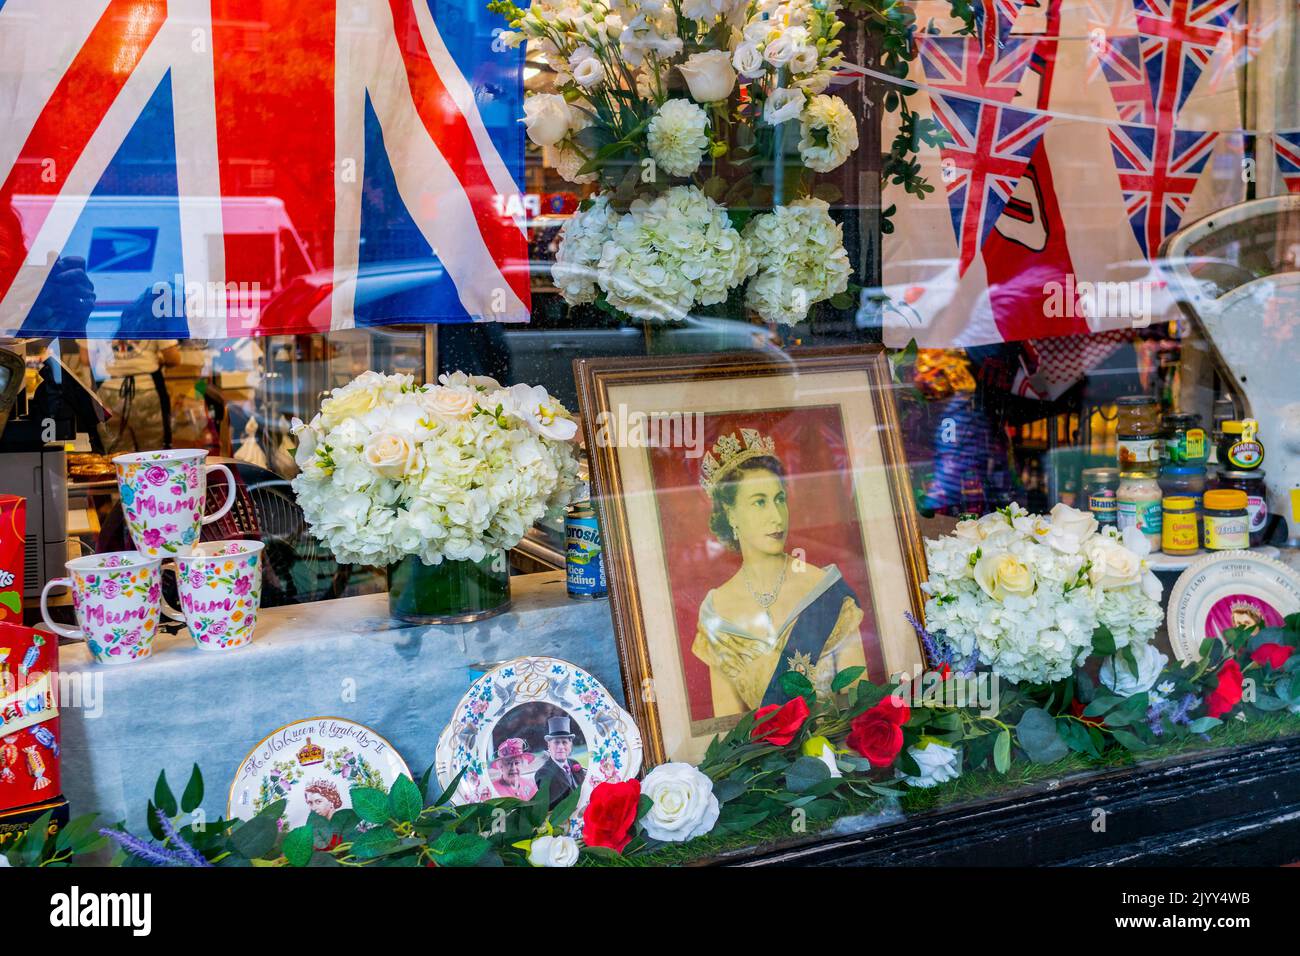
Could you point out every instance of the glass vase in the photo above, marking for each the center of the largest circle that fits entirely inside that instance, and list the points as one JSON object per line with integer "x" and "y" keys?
{"x": 453, "y": 592}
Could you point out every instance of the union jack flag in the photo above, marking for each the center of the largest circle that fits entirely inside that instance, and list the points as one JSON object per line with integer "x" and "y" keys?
{"x": 252, "y": 165}
{"x": 1116, "y": 56}
{"x": 988, "y": 145}
{"x": 1158, "y": 169}
{"x": 1158, "y": 164}
{"x": 1178, "y": 40}
{"x": 983, "y": 159}
{"x": 1286, "y": 147}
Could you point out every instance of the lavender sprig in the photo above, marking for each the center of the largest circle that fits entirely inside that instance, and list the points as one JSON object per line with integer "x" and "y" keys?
{"x": 932, "y": 645}
{"x": 146, "y": 850}
{"x": 191, "y": 856}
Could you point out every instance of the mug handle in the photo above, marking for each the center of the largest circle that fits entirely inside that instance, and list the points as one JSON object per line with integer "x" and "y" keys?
{"x": 230, "y": 493}
{"x": 163, "y": 606}
{"x": 45, "y": 609}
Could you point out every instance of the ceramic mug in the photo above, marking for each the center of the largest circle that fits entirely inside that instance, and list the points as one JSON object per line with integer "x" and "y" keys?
{"x": 164, "y": 494}
{"x": 220, "y": 588}
{"x": 116, "y": 597}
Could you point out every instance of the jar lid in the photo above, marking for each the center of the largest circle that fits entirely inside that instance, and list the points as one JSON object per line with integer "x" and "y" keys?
{"x": 1183, "y": 418}
{"x": 1100, "y": 474}
{"x": 1135, "y": 400}
{"x": 1225, "y": 499}
{"x": 1183, "y": 470}
{"x": 1230, "y": 427}
{"x": 1180, "y": 503}
{"x": 1242, "y": 475}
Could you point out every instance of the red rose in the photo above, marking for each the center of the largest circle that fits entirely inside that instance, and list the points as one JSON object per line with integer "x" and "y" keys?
{"x": 778, "y": 723}
{"x": 877, "y": 734}
{"x": 1227, "y": 691}
{"x": 1274, "y": 655}
{"x": 610, "y": 813}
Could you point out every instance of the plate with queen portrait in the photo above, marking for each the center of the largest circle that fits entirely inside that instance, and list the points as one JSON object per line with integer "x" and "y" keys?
{"x": 537, "y": 723}
{"x": 313, "y": 764}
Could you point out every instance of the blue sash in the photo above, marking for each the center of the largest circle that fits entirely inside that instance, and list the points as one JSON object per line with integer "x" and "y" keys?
{"x": 809, "y": 635}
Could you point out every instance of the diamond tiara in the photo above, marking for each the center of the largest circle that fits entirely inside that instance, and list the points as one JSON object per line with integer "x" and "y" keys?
{"x": 729, "y": 451}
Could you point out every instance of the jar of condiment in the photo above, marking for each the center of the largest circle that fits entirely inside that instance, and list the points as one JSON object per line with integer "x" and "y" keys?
{"x": 1138, "y": 500}
{"x": 1140, "y": 453}
{"x": 1183, "y": 480}
{"x": 1184, "y": 440}
{"x": 1179, "y": 529}
{"x": 1226, "y": 523}
{"x": 1252, "y": 484}
{"x": 1240, "y": 448}
{"x": 1100, "y": 486}
{"x": 1137, "y": 415}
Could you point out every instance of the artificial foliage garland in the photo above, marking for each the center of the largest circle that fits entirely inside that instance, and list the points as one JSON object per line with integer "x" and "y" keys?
{"x": 810, "y": 758}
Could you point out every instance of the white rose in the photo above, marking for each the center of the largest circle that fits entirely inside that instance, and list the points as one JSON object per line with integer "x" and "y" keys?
{"x": 782, "y": 105}
{"x": 939, "y": 763}
{"x": 1002, "y": 575}
{"x": 1116, "y": 673}
{"x": 684, "y": 806}
{"x": 390, "y": 454}
{"x": 804, "y": 59}
{"x": 709, "y": 76}
{"x": 306, "y": 436}
{"x": 589, "y": 74}
{"x": 748, "y": 60}
{"x": 1113, "y": 565}
{"x": 542, "y": 413}
{"x": 546, "y": 117}
{"x": 451, "y": 403}
{"x": 1073, "y": 523}
{"x": 553, "y": 851}
{"x": 780, "y": 50}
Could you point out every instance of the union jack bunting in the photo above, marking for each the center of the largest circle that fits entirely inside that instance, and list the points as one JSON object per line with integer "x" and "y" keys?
{"x": 1158, "y": 169}
{"x": 1179, "y": 38}
{"x": 244, "y": 167}
{"x": 1117, "y": 58}
{"x": 1286, "y": 147}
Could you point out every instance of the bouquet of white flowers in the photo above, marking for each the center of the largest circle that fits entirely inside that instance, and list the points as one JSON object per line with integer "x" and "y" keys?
{"x": 1024, "y": 593}
{"x": 457, "y": 470}
{"x": 675, "y": 107}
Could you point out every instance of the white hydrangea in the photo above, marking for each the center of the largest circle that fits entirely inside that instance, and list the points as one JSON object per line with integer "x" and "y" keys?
{"x": 828, "y": 133}
{"x": 671, "y": 253}
{"x": 678, "y": 137}
{"x": 1020, "y": 593}
{"x": 800, "y": 255}
{"x": 581, "y": 240}
{"x": 457, "y": 470}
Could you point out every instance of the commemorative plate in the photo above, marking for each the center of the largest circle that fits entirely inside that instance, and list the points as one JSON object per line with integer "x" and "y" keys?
{"x": 1229, "y": 589}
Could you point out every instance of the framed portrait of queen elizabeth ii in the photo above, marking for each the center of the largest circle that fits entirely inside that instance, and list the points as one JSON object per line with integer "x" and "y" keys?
{"x": 757, "y": 518}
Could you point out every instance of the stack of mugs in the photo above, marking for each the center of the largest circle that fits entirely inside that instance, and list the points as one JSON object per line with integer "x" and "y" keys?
{"x": 118, "y": 596}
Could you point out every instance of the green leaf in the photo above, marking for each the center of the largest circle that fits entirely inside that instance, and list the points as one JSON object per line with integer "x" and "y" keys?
{"x": 193, "y": 795}
{"x": 298, "y": 845}
{"x": 162, "y": 795}
{"x": 404, "y": 801}
{"x": 805, "y": 773}
{"x": 371, "y": 804}
{"x": 1103, "y": 641}
{"x": 255, "y": 838}
{"x": 564, "y": 810}
{"x": 374, "y": 843}
{"x": 151, "y": 821}
{"x": 794, "y": 684}
{"x": 450, "y": 789}
{"x": 1204, "y": 724}
{"x": 1129, "y": 740}
{"x": 1101, "y": 705}
{"x": 1002, "y": 752}
{"x": 1037, "y": 736}
{"x": 459, "y": 849}
{"x": 31, "y": 845}
{"x": 846, "y": 677}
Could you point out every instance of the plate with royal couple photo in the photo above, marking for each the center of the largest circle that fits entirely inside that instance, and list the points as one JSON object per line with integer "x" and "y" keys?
{"x": 1231, "y": 589}
{"x": 313, "y": 764}
{"x": 534, "y": 723}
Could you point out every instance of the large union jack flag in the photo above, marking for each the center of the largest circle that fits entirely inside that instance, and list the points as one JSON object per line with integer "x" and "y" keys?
{"x": 242, "y": 167}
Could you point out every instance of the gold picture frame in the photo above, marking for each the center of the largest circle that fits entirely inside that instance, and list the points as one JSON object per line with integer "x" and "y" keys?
{"x": 835, "y": 436}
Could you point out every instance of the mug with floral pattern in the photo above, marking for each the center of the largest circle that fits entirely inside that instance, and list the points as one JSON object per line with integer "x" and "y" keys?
{"x": 164, "y": 494}
{"x": 116, "y": 598}
{"x": 220, "y": 588}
